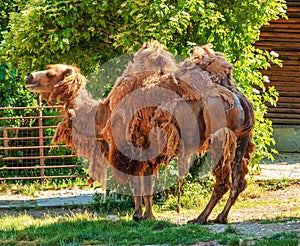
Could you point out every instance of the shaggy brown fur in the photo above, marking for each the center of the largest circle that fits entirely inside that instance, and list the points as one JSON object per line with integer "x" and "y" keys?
{"x": 221, "y": 120}
{"x": 80, "y": 112}
{"x": 221, "y": 73}
{"x": 158, "y": 110}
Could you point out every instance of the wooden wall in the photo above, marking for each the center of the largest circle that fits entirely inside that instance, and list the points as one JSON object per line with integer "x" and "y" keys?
{"x": 283, "y": 37}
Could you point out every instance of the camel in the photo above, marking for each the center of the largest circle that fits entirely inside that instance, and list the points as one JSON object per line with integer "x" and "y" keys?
{"x": 157, "y": 110}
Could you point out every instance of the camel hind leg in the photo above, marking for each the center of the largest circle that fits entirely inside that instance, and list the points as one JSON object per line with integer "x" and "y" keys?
{"x": 243, "y": 155}
{"x": 222, "y": 147}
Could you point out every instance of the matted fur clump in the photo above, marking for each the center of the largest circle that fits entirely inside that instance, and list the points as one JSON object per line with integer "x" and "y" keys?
{"x": 78, "y": 128}
{"x": 66, "y": 92}
{"x": 68, "y": 89}
{"x": 221, "y": 72}
{"x": 214, "y": 63}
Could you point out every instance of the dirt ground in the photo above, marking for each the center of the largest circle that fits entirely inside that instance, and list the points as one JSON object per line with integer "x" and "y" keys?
{"x": 257, "y": 221}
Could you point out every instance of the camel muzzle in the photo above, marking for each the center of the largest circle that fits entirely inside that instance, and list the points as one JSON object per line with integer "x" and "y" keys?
{"x": 30, "y": 82}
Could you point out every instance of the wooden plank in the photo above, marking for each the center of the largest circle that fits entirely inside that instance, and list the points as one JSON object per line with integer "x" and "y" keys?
{"x": 278, "y": 44}
{"x": 289, "y": 100}
{"x": 291, "y": 62}
{"x": 282, "y": 25}
{"x": 287, "y": 105}
{"x": 280, "y": 49}
{"x": 286, "y": 56}
{"x": 285, "y": 89}
{"x": 293, "y": 9}
{"x": 275, "y": 38}
{"x": 284, "y": 110}
{"x": 289, "y": 93}
{"x": 283, "y": 20}
{"x": 279, "y": 30}
{"x": 281, "y": 83}
{"x": 282, "y": 35}
{"x": 283, "y": 80}
{"x": 293, "y": 14}
{"x": 279, "y": 72}
{"x": 291, "y": 2}
{"x": 283, "y": 116}
{"x": 285, "y": 68}
{"x": 277, "y": 121}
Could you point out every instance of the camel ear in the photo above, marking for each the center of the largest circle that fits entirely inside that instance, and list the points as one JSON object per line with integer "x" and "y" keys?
{"x": 49, "y": 66}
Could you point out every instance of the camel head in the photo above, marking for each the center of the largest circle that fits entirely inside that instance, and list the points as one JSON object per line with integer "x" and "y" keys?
{"x": 45, "y": 81}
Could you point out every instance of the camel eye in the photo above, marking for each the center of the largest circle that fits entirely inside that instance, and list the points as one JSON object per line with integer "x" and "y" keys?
{"x": 49, "y": 75}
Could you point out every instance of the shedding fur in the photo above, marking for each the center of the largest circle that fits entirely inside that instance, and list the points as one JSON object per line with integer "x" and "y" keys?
{"x": 158, "y": 110}
{"x": 220, "y": 71}
{"x": 78, "y": 129}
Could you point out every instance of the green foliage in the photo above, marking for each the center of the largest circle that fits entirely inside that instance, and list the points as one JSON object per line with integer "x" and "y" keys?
{"x": 13, "y": 92}
{"x": 112, "y": 204}
{"x": 90, "y": 32}
{"x": 72, "y": 32}
{"x": 275, "y": 184}
{"x": 280, "y": 239}
{"x": 194, "y": 195}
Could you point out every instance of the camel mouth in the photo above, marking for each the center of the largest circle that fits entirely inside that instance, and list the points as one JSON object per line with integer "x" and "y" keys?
{"x": 32, "y": 87}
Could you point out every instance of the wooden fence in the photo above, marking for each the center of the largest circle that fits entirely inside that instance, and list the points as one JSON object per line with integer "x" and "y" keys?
{"x": 26, "y": 152}
{"x": 283, "y": 37}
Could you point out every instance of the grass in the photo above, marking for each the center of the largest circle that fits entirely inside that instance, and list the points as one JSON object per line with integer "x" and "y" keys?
{"x": 85, "y": 228}
{"x": 279, "y": 239}
{"x": 90, "y": 228}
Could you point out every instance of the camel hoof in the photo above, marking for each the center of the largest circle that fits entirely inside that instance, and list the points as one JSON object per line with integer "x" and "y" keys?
{"x": 220, "y": 221}
{"x": 197, "y": 221}
{"x": 90, "y": 182}
{"x": 137, "y": 218}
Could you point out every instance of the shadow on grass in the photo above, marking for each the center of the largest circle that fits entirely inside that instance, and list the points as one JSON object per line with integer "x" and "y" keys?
{"x": 92, "y": 230}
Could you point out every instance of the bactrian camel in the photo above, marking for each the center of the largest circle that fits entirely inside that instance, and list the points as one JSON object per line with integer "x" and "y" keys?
{"x": 157, "y": 110}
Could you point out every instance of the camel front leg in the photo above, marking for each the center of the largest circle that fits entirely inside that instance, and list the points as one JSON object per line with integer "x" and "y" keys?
{"x": 136, "y": 187}
{"x": 138, "y": 212}
{"x": 149, "y": 183}
{"x": 148, "y": 204}
{"x": 148, "y": 186}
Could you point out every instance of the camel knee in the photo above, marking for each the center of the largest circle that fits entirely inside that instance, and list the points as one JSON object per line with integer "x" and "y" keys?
{"x": 238, "y": 187}
{"x": 221, "y": 189}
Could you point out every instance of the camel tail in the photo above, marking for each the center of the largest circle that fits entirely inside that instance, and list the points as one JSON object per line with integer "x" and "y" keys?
{"x": 249, "y": 117}
{"x": 179, "y": 194}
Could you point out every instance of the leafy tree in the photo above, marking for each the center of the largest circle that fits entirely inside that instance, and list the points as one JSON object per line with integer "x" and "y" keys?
{"x": 14, "y": 94}
{"x": 91, "y": 32}
{"x": 12, "y": 90}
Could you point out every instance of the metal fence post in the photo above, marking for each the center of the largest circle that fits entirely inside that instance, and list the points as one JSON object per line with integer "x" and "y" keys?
{"x": 41, "y": 137}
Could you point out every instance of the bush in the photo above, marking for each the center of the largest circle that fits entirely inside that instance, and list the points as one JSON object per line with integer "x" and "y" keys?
{"x": 88, "y": 33}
